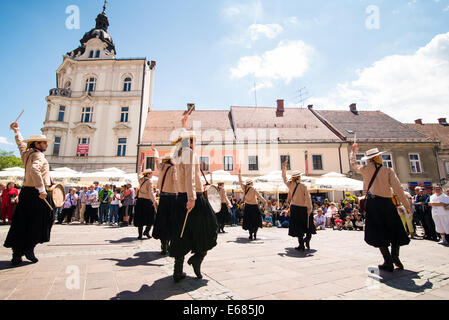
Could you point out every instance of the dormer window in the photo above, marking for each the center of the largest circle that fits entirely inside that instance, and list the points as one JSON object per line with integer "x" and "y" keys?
{"x": 91, "y": 84}
{"x": 127, "y": 84}
{"x": 97, "y": 54}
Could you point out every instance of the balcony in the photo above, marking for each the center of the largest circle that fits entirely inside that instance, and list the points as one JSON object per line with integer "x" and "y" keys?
{"x": 60, "y": 92}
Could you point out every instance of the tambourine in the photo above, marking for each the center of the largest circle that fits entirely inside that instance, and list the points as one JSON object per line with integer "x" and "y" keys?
{"x": 213, "y": 195}
{"x": 58, "y": 195}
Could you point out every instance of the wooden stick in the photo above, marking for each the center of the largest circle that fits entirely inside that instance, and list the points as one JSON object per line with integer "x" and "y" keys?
{"x": 185, "y": 221}
{"x": 48, "y": 204}
{"x": 19, "y": 116}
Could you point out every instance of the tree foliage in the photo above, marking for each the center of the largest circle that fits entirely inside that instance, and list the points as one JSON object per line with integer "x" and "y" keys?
{"x": 9, "y": 160}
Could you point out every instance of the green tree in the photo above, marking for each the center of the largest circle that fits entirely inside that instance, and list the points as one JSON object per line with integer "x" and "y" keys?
{"x": 9, "y": 160}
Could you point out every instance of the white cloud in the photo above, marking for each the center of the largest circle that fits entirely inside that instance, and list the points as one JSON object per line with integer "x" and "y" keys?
{"x": 270, "y": 31}
{"x": 3, "y": 140}
{"x": 407, "y": 87}
{"x": 262, "y": 85}
{"x": 231, "y": 11}
{"x": 288, "y": 61}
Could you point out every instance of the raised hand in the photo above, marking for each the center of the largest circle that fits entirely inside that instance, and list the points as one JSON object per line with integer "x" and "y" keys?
{"x": 355, "y": 147}
{"x": 14, "y": 126}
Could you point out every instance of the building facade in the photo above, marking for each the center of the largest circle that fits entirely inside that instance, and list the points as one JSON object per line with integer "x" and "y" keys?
{"x": 97, "y": 112}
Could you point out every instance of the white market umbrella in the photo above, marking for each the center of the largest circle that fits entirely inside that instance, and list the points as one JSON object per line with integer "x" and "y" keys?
{"x": 338, "y": 183}
{"x": 14, "y": 174}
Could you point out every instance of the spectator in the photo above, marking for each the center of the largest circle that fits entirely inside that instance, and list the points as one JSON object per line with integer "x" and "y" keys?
{"x": 104, "y": 196}
{"x": 10, "y": 198}
{"x": 91, "y": 214}
{"x": 268, "y": 221}
{"x": 423, "y": 214}
{"x": 348, "y": 224}
{"x": 320, "y": 220}
{"x": 338, "y": 223}
{"x": 440, "y": 213}
{"x": 82, "y": 199}
{"x": 114, "y": 207}
{"x": 69, "y": 206}
{"x": 359, "y": 223}
{"x": 284, "y": 219}
{"x": 2, "y": 187}
{"x": 331, "y": 213}
{"x": 96, "y": 186}
{"x": 234, "y": 208}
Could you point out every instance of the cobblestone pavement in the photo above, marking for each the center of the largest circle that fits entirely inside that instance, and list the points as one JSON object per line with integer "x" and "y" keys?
{"x": 104, "y": 262}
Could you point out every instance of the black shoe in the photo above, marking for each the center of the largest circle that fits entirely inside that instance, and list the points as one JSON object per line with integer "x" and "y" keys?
{"x": 308, "y": 244}
{"x": 386, "y": 267}
{"x": 395, "y": 257}
{"x": 139, "y": 238}
{"x": 147, "y": 234}
{"x": 195, "y": 261}
{"x": 250, "y": 237}
{"x": 16, "y": 260}
{"x": 29, "y": 254}
{"x": 178, "y": 275}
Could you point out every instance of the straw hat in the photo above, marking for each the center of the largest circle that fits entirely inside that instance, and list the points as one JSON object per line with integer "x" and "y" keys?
{"x": 186, "y": 134}
{"x": 296, "y": 174}
{"x": 372, "y": 153}
{"x": 249, "y": 181}
{"x": 147, "y": 172}
{"x": 36, "y": 138}
{"x": 220, "y": 182}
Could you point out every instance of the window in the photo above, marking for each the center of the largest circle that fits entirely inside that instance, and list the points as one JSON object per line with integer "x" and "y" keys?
{"x": 97, "y": 54}
{"x": 204, "y": 163}
{"x": 317, "y": 162}
{"x": 446, "y": 164}
{"x": 415, "y": 163}
{"x": 57, "y": 146}
{"x": 87, "y": 114}
{"x": 91, "y": 84}
{"x": 124, "y": 114}
{"x": 68, "y": 85}
{"x": 387, "y": 160}
{"x": 150, "y": 163}
{"x": 283, "y": 158}
{"x": 253, "y": 163}
{"x": 82, "y": 149}
{"x": 228, "y": 163}
{"x": 91, "y": 54}
{"x": 127, "y": 84}
{"x": 61, "y": 114}
{"x": 358, "y": 158}
{"x": 121, "y": 147}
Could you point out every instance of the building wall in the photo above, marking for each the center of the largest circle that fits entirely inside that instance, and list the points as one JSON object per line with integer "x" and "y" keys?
{"x": 107, "y": 101}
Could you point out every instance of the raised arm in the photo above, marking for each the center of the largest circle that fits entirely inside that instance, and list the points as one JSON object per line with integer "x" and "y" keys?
{"x": 284, "y": 173}
{"x": 240, "y": 180}
{"x": 157, "y": 158}
{"x": 19, "y": 139}
{"x": 353, "y": 158}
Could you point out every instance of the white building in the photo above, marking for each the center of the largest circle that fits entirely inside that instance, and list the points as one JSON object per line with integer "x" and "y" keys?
{"x": 97, "y": 112}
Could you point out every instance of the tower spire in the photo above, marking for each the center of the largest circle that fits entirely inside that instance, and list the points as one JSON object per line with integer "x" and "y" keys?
{"x": 104, "y": 6}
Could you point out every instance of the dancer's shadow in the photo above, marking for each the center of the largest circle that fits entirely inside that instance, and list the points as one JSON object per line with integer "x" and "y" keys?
{"x": 162, "y": 289}
{"x": 142, "y": 259}
{"x": 4, "y": 265}
{"x": 292, "y": 252}
{"x": 242, "y": 240}
{"x": 400, "y": 279}
{"x": 126, "y": 240}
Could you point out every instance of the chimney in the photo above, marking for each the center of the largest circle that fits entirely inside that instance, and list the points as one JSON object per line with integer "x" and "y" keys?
{"x": 190, "y": 107}
{"x": 280, "y": 108}
{"x": 310, "y": 106}
{"x": 442, "y": 121}
{"x": 418, "y": 121}
{"x": 353, "y": 108}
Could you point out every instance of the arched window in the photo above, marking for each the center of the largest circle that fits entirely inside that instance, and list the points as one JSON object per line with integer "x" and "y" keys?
{"x": 91, "y": 54}
{"x": 67, "y": 85}
{"x": 91, "y": 84}
{"x": 97, "y": 54}
{"x": 127, "y": 84}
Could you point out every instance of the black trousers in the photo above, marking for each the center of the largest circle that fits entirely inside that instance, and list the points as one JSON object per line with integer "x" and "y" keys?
{"x": 429, "y": 226}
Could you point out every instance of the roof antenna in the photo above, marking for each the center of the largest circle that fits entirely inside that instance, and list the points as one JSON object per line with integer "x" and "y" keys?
{"x": 255, "y": 93}
{"x": 104, "y": 6}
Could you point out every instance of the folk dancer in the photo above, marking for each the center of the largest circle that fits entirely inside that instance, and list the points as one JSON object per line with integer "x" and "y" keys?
{"x": 383, "y": 226}
{"x": 33, "y": 218}
{"x": 252, "y": 216}
{"x": 224, "y": 215}
{"x": 195, "y": 225}
{"x": 146, "y": 205}
{"x": 300, "y": 209}
{"x": 168, "y": 190}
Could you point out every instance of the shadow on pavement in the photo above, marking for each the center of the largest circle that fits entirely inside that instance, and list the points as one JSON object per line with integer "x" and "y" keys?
{"x": 125, "y": 240}
{"x": 4, "y": 265}
{"x": 162, "y": 289}
{"x": 401, "y": 280}
{"x": 142, "y": 259}
{"x": 292, "y": 252}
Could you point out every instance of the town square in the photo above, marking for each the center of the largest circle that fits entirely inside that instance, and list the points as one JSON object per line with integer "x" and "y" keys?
{"x": 228, "y": 151}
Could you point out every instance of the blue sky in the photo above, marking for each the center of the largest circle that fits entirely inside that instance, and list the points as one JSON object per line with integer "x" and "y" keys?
{"x": 214, "y": 52}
